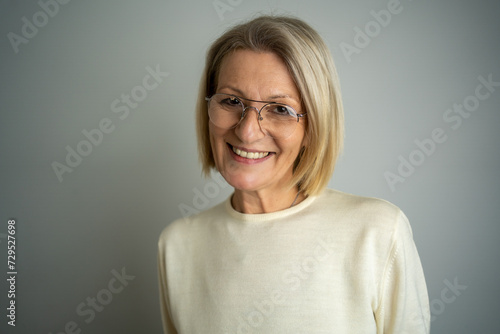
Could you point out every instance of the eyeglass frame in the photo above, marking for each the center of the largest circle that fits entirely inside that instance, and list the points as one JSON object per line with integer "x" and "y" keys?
{"x": 245, "y": 107}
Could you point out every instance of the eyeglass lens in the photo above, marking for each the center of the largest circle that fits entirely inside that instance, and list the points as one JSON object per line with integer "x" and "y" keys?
{"x": 276, "y": 119}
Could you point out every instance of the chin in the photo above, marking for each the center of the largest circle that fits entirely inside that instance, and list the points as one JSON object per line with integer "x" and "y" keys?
{"x": 248, "y": 182}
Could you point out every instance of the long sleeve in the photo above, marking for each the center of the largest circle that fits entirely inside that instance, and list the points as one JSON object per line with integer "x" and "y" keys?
{"x": 404, "y": 304}
{"x": 168, "y": 326}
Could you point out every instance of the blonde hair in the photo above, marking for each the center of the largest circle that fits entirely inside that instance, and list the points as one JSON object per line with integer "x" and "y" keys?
{"x": 311, "y": 66}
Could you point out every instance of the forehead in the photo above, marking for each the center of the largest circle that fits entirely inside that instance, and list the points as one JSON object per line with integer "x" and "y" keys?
{"x": 256, "y": 75}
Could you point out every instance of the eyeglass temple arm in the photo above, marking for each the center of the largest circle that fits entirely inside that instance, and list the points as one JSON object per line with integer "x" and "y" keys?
{"x": 300, "y": 116}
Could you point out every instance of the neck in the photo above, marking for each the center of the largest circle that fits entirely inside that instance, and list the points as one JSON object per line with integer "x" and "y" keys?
{"x": 265, "y": 201}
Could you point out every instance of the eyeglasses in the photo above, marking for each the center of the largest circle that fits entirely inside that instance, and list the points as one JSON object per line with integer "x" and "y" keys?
{"x": 275, "y": 119}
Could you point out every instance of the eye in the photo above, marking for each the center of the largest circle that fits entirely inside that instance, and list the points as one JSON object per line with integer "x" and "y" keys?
{"x": 230, "y": 101}
{"x": 281, "y": 109}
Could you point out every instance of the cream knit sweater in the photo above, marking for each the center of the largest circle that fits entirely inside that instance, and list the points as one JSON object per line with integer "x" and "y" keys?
{"x": 334, "y": 263}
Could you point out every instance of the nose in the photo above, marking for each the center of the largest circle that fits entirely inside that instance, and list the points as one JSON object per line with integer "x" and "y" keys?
{"x": 249, "y": 128}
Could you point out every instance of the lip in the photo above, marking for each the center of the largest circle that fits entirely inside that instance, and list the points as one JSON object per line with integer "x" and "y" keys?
{"x": 246, "y": 160}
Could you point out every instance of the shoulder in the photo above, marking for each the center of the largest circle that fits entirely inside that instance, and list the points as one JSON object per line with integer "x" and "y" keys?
{"x": 184, "y": 228}
{"x": 361, "y": 211}
{"x": 350, "y": 203}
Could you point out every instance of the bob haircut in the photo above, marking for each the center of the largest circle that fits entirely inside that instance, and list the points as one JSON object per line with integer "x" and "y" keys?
{"x": 311, "y": 65}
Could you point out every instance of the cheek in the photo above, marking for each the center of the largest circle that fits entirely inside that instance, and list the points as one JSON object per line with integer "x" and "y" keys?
{"x": 291, "y": 149}
{"x": 294, "y": 144}
{"x": 217, "y": 144}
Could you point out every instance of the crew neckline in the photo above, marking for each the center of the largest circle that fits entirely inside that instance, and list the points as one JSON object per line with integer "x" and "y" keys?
{"x": 264, "y": 217}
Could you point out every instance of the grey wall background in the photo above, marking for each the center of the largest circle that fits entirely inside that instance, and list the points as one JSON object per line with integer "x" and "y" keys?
{"x": 104, "y": 217}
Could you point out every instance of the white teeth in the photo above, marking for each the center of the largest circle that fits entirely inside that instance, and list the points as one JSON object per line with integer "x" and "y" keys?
{"x": 250, "y": 155}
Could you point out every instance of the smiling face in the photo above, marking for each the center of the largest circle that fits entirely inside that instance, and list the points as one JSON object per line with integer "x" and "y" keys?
{"x": 246, "y": 157}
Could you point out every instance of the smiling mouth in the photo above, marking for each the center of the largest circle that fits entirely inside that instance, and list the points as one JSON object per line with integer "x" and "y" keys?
{"x": 249, "y": 155}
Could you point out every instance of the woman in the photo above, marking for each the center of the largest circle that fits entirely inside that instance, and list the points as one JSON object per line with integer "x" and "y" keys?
{"x": 283, "y": 254}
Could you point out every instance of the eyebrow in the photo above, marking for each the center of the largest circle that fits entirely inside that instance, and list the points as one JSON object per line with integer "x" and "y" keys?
{"x": 269, "y": 99}
{"x": 281, "y": 97}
